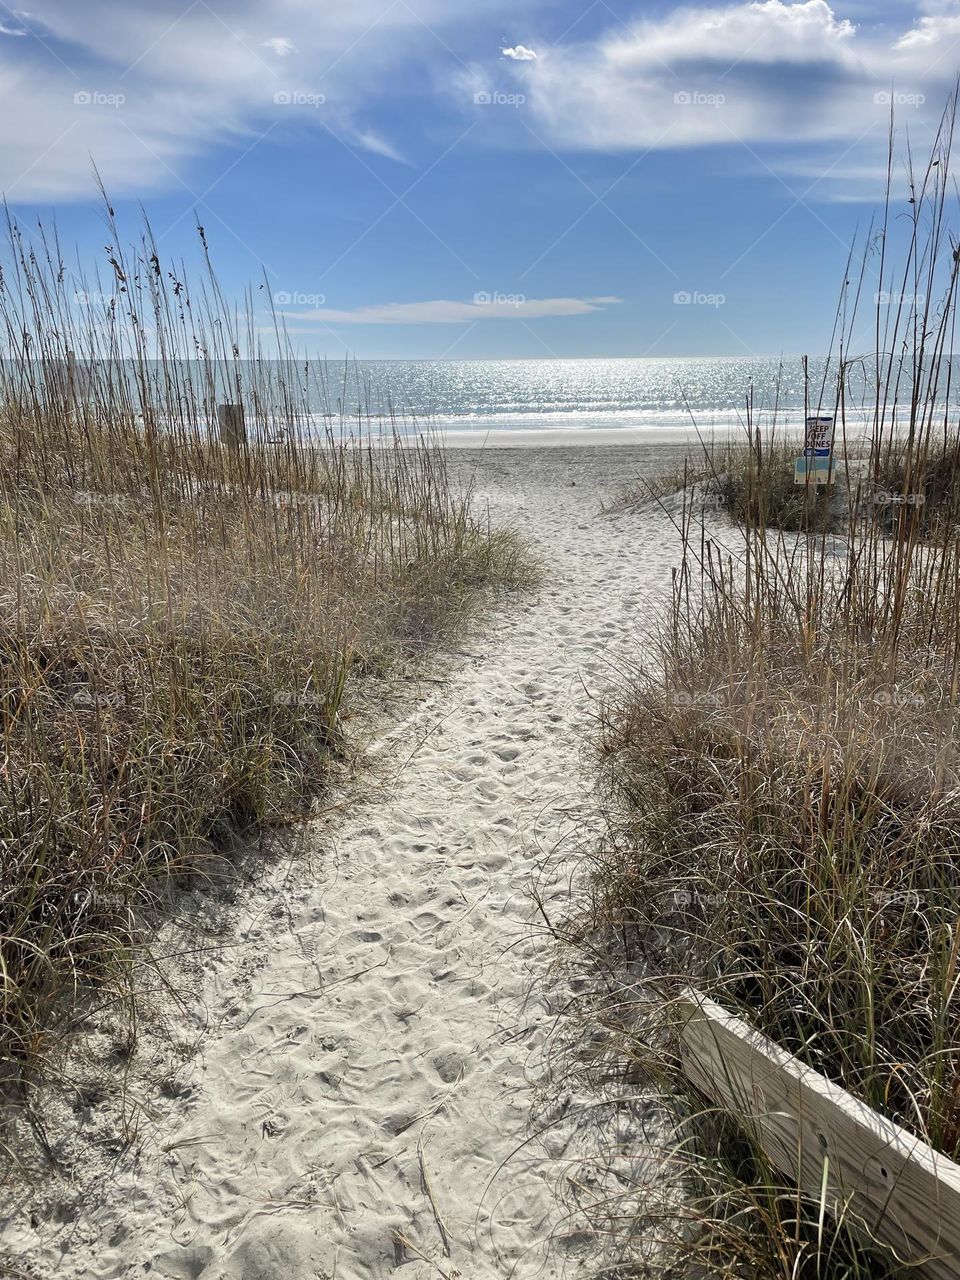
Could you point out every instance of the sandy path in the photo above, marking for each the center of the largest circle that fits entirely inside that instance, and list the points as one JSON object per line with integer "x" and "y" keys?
{"x": 315, "y": 1127}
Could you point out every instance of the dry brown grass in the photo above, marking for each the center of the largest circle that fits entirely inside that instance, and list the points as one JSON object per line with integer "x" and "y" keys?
{"x": 183, "y": 625}
{"x": 784, "y": 785}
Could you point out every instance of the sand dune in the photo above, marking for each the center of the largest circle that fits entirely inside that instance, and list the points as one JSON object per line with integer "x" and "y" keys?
{"x": 359, "y": 1101}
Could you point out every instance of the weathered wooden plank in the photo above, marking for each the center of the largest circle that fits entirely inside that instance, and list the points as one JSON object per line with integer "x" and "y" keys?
{"x": 877, "y": 1173}
{"x": 230, "y": 419}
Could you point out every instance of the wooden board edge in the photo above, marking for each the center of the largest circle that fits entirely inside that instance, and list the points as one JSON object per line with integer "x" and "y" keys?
{"x": 820, "y": 1107}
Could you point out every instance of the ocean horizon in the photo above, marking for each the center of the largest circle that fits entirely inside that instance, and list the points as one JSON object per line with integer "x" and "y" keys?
{"x": 562, "y": 396}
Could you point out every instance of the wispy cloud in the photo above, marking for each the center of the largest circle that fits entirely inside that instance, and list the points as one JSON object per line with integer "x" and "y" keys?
{"x": 483, "y": 306}
{"x": 144, "y": 89}
{"x": 162, "y": 81}
{"x": 784, "y": 71}
{"x": 373, "y": 141}
{"x": 282, "y": 46}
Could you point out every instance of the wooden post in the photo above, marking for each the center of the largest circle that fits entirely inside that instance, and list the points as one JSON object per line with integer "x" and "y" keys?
{"x": 874, "y": 1173}
{"x": 233, "y": 433}
{"x": 77, "y": 385}
{"x": 59, "y": 378}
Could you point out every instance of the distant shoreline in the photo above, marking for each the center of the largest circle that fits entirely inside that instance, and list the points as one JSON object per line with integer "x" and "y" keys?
{"x": 573, "y": 437}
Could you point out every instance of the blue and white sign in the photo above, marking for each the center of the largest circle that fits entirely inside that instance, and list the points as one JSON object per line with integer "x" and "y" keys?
{"x": 816, "y": 466}
{"x": 813, "y": 471}
{"x": 819, "y": 436}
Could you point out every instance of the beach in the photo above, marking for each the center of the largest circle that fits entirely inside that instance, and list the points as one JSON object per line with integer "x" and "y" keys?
{"x": 479, "y": 642}
{"x": 350, "y": 1079}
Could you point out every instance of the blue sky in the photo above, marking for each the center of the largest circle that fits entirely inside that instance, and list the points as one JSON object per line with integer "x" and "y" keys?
{"x": 419, "y": 178}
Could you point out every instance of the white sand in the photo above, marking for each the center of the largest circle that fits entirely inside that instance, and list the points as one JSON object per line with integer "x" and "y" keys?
{"x": 633, "y": 440}
{"x": 360, "y": 1055}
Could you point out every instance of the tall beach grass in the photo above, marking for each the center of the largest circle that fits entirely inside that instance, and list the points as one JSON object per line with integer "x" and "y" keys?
{"x": 783, "y": 771}
{"x": 186, "y": 626}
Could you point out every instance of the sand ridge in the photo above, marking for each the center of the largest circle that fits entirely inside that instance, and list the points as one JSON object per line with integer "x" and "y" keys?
{"x": 357, "y": 1101}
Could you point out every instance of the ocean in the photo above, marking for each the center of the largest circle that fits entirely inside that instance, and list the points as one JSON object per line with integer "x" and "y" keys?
{"x": 576, "y": 395}
{"x": 504, "y": 398}
{"x": 632, "y": 397}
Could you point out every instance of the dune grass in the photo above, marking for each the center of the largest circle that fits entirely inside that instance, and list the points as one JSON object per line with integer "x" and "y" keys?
{"x": 184, "y": 625}
{"x": 783, "y": 776}
{"x": 750, "y": 481}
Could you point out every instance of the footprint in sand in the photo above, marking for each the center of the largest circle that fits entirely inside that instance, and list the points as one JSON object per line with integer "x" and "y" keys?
{"x": 371, "y": 1117}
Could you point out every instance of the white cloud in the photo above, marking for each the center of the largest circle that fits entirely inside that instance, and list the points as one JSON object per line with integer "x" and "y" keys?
{"x": 485, "y": 306}
{"x": 765, "y": 31}
{"x": 193, "y": 76}
{"x": 372, "y": 141}
{"x": 930, "y": 31}
{"x": 787, "y": 71}
{"x": 282, "y": 46}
